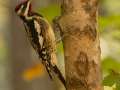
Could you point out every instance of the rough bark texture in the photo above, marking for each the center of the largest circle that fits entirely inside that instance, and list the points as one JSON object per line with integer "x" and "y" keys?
{"x": 81, "y": 44}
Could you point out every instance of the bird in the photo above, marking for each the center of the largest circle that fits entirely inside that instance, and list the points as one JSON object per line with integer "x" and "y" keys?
{"x": 41, "y": 37}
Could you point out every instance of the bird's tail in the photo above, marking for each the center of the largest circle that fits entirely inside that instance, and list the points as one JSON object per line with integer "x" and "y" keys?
{"x": 59, "y": 74}
{"x": 50, "y": 69}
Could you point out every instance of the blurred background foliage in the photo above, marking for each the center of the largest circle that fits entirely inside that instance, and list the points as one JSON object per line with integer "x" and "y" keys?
{"x": 109, "y": 28}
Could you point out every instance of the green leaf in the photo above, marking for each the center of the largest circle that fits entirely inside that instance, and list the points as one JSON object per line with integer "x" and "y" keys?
{"x": 50, "y": 11}
{"x": 111, "y": 79}
{"x": 110, "y": 63}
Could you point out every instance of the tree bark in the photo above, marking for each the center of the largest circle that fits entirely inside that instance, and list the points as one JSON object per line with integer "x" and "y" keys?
{"x": 81, "y": 44}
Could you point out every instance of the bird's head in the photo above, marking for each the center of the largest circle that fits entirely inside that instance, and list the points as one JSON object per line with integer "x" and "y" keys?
{"x": 24, "y": 8}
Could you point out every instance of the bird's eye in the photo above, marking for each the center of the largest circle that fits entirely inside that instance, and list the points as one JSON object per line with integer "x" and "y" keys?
{"x": 21, "y": 6}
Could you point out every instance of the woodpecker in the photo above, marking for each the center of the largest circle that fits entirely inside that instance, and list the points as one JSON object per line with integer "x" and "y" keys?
{"x": 41, "y": 37}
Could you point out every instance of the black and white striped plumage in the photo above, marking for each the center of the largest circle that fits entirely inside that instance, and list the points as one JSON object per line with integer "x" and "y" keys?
{"x": 41, "y": 37}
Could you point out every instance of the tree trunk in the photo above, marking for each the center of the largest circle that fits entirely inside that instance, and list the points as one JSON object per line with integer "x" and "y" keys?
{"x": 81, "y": 44}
